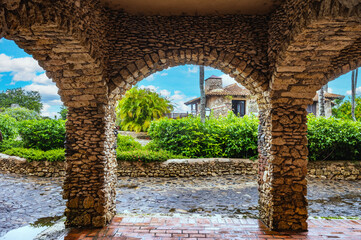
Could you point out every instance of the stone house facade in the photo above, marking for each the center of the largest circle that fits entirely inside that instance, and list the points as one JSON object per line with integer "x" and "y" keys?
{"x": 220, "y": 100}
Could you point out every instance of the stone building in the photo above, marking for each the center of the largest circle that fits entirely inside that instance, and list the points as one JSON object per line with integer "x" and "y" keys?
{"x": 329, "y": 103}
{"x": 281, "y": 51}
{"x": 220, "y": 100}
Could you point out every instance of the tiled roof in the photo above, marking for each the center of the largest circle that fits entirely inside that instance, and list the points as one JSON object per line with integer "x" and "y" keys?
{"x": 213, "y": 76}
{"x": 329, "y": 96}
{"x": 230, "y": 90}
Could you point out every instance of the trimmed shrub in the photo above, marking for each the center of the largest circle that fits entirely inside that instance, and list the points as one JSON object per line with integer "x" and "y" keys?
{"x": 37, "y": 155}
{"x": 127, "y": 143}
{"x": 10, "y": 143}
{"x": 21, "y": 114}
{"x": 43, "y": 134}
{"x": 228, "y": 136}
{"x": 8, "y": 127}
{"x": 146, "y": 156}
{"x": 333, "y": 139}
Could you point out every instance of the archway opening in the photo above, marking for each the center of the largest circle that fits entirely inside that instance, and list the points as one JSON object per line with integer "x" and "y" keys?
{"x": 194, "y": 183}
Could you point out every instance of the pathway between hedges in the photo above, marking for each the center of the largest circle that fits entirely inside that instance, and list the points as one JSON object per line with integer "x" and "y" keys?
{"x": 24, "y": 200}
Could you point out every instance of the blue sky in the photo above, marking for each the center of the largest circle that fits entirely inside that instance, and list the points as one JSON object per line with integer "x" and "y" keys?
{"x": 180, "y": 84}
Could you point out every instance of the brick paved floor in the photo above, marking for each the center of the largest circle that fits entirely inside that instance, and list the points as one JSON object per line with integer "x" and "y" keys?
{"x": 166, "y": 228}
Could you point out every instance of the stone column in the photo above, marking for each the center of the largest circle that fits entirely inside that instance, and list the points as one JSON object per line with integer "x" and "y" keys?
{"x": 90, "y": 166}
{"x": 283, "y": 166}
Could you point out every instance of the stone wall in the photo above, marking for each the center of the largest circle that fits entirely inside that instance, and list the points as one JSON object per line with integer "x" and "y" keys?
{"x": 336, "y": 170}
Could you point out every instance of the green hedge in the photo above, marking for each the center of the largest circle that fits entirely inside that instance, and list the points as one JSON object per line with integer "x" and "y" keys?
{"x": 8, "y": 127}
{"x": 10, "y": 143}
{"x": 333, "y": 139}
{"x": 37, "y": 155}
{"x": 229, "y": 136}
{"x": 146, "y": 156}
{"x": 127, "y": 143}
{"x": 328, "y": 138}
{"x": 43, "y": 134}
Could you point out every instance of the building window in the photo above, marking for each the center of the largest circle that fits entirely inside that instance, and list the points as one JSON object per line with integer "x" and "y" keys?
{"x": 312, "y": 109}
{"x": 239, "y": 107}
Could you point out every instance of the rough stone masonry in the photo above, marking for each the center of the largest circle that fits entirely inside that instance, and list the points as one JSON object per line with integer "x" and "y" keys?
{"x": 95, "y": 53}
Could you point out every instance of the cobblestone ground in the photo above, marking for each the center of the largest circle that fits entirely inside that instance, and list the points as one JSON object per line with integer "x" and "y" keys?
{"x": 24, "y": 200}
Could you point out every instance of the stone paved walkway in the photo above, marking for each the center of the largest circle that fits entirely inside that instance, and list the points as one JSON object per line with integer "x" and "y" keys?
{"x": 24, "y": 200}
{"x": 213, "y": 228}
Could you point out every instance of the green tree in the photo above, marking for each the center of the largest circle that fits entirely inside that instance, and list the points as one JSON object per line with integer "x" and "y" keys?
{"x": 27, "y": 99}
{"x": 342, "y": 109}
{"x": 21, "y": 113}
{"x": 63, "y": 112}
{"x": 139, "y": 107}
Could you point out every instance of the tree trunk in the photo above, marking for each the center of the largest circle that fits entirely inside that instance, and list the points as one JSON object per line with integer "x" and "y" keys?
{"x": 203, "y": 95}
{"x": 321, "y": 102}
{"x": 353, "y": 92}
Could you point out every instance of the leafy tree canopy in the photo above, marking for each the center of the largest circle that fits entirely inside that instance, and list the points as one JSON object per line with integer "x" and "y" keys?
{"x": 139, "y": 107}
{"x": 27, "y": 99}
{"x": 63, "y": 112}
{"x": 20, "y": 113}
{"x": 342, "y": 109}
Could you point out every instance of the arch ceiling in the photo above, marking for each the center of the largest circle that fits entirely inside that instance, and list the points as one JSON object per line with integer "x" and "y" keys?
{"x": 194, "y": 7}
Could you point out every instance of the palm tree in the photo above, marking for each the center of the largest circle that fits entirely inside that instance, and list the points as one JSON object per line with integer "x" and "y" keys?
{"x": 139, "y": 107}
{"x": 354, "y": 77}
{"x": 203, "y": 95}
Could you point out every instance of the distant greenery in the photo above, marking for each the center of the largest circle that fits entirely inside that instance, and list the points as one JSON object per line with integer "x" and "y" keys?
{"x": 63, "y": 112}
{"x": 333, "y": 139}
{"x": 37, "y": 155}
{"x": 229, "y": 136}
{"x": 8, "y": 127}
{"x": 44, "y": 134}
{"x": 343, "y": 109}
{"x": 27, "y": 99}
{"x": 21, "y": 113}
{"x": 139, "y": 107}
{"x": 127, "y": 143}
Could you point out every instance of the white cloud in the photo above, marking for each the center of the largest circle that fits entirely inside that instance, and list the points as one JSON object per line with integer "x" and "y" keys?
{"x": 154, "y": 75}
{"x": 56, "y": 102}
{"x": 22, "y": 69}
{"x": 150, "y": 78}
{"x": 227, "y": 80}
{"x": 42, "y": 79}
{"x": 193, "y": 69}
{"x": 45, "y": 91}
{"x": 149, "y": 87}
{"x": 358, "y": 91}
{"x": 330, "y": 90}
{"x": 164, "y": 93}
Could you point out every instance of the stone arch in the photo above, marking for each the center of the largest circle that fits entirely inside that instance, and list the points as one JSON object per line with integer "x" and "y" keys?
{"x": 252, "y": 79}
{"x": 56, "y": 33}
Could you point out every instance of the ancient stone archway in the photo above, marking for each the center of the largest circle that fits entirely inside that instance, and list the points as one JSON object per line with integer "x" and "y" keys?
{"x": 94, "y": 53}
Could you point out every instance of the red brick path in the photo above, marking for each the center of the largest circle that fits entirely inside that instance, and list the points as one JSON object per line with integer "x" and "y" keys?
{"x": 166, "y": 228}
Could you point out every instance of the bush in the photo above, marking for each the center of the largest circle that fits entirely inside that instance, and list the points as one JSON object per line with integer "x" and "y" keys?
{"x": 21, "y": 113}
{"x": 44, "y": 134}
{"x": 146, "y": 156}
{"x": 8, "y": 127}
{"x": 10, "y": 143}
{"x": 229, "y": 136}
{"x": 127, "y": 143}
{"x": 333, "y": 139}
{"x": 37, "y": 155}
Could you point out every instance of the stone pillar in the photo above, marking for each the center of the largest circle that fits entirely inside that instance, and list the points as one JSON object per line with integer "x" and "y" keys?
{"x": 90, "y": 166}
{"x": 283, "y": 166}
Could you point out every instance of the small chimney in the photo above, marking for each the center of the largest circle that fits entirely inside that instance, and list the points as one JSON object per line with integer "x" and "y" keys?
{"x": 213, "y": 82}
